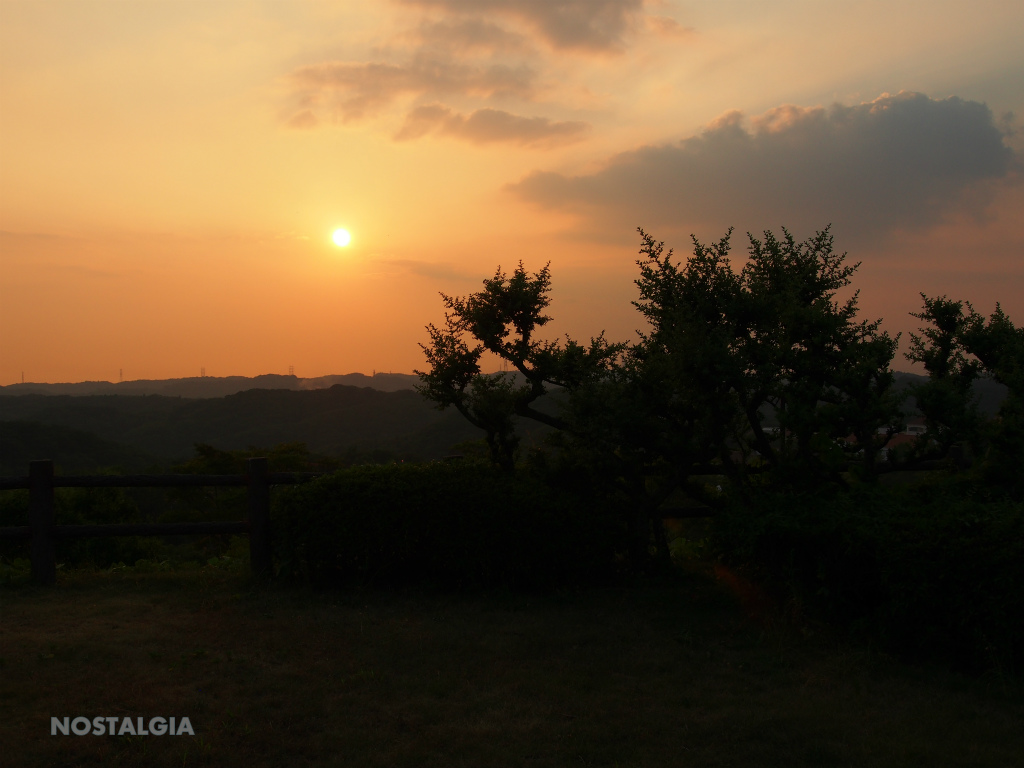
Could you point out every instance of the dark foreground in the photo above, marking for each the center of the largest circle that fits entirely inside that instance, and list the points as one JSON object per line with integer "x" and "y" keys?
{"x": 674, "y": 674}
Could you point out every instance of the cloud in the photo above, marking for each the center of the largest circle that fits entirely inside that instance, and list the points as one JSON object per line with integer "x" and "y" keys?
{"x": 668, "y": 27}
{"x": 302, "y": 120}
{"x": 433, "y": 270}
{"x": 468, "y": 50}
{"x": 469, "y": 36}
{"x": 898, "y": 162}
{"x": 588, "y": 25}
{"x": 488, "y": 126}
{"x": 355, "y": 89}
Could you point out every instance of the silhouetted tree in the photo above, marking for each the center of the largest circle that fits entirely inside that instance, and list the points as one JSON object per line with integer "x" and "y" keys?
{"x": 1000, "y": 348}
{"x": 957, "y": 347}
{"x": 723, "y": 351}
{"x": 503, "y": 319}
{"x": 727, "y": 350}
{"x": 949, "y": 408}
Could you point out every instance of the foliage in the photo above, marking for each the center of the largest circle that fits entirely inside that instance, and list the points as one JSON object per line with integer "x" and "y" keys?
{"x": 214, "y": 503}
{"x": 81, "y": 506}
{"x": 724, "y": 351}
{"x": 729, "y": 349}
{"x": 503, "y": 319}
{"x": 454, "y": 523}
{"x": 99, "y": 506}
{"x": 929, "y": 571}
{"x": 957, "y": 347}
{"x": 945, "y": 400}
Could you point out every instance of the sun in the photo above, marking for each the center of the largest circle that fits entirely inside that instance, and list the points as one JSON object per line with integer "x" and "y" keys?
{"x": 341, "y": 237}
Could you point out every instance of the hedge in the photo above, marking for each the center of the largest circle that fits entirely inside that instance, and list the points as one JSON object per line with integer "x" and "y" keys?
{"x": 447, "y": 523}
{"x": 931, "y": 571}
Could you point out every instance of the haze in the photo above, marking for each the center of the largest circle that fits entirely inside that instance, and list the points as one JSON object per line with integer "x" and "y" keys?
{"x": 171, "y": 173}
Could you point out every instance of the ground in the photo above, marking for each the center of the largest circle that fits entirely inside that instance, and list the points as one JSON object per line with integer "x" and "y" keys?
{"x": 675, "y": 673}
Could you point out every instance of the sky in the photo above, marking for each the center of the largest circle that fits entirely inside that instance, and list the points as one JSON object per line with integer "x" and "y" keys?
{"x": 171, "y": 173}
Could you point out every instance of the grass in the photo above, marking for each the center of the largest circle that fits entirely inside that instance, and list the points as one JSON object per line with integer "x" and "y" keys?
{"x": 687, "y": 672}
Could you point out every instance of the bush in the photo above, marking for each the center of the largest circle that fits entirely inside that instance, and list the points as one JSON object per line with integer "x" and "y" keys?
{"x": 456, "y": 524}
{"x": 930, "y": 571}
{"x": 81, "y": 506}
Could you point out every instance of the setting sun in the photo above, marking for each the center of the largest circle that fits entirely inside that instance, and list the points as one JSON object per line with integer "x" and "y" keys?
{"x": 341, "y": 237}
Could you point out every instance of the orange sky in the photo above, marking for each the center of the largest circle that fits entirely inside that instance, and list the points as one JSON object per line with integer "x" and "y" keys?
{"x": 171, "y": 173}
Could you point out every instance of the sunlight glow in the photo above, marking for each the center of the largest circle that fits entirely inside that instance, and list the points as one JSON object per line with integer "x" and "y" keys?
{"x": 341, "y": 237}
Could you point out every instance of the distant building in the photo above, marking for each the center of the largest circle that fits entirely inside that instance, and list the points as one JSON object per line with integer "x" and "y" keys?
{"x": 916, "y": 427}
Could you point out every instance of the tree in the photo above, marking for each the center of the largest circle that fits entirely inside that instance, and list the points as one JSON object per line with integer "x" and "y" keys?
{"x": 946, "y": 400}
{"x": 772, "y": 341}
{"x": 503, "y": 319}
{"x": 957, "y": 347}
{"x": 723, "y": 352}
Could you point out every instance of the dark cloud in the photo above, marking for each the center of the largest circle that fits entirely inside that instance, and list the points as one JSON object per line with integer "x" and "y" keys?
{"x": 472, "y": 50}
{"x": 488, "y": 126}
{"x": 357, "y": 90}
{"x": 898, "y": 162}
{"x": 593, "y": 25}
{"x": 469, "y": 36}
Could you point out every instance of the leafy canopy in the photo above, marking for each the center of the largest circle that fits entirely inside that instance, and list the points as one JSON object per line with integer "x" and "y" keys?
{"x": 764, "y": 361}
{"x": 503, "y": 319}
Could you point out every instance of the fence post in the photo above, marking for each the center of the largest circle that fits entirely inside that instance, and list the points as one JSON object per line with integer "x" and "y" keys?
{"x": 259, "y": 518}
{"x": 40, "y": 518}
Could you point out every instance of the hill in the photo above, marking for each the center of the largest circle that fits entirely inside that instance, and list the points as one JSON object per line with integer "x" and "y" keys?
{"x": 73, "y": 451}
{"x": 334, "y": 421}
{"x": 131, "y": 428}
{"x": 989, "y": 394}
{"x": 211, "y": 386}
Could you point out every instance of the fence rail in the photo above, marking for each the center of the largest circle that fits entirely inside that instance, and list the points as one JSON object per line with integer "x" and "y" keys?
{"x": 43, "y": 532}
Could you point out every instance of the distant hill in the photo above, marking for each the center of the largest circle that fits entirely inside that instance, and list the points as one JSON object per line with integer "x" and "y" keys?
{"x": 131, "y": 428}
{"x": 332, "y": 421}
{"x": 385, "y": 382}
{"x": 73, "y": 451}
{"x": 211, "y": 386}
{"x": 989, "y": 393}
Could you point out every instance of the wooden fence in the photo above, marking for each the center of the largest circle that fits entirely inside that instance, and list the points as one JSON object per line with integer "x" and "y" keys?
{"x": 43, "y": 532}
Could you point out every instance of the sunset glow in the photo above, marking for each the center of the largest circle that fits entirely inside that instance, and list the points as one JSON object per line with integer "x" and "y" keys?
{"x": 199, "y": 153}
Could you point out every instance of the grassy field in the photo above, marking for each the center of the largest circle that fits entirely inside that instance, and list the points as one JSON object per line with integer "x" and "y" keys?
{"x": 689, "y": 672}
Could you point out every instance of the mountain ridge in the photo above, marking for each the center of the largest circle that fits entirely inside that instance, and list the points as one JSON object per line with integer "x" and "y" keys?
{"x": 198, "y": 387}
{"x": 332, "y": 421}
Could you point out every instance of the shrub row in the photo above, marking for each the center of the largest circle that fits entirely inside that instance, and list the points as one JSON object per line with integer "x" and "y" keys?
{"x": 933, "y": 571}
{"x": 106, "y": 506}
{"x": 80, "y": 506}
{"x": 459, "y": 524}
